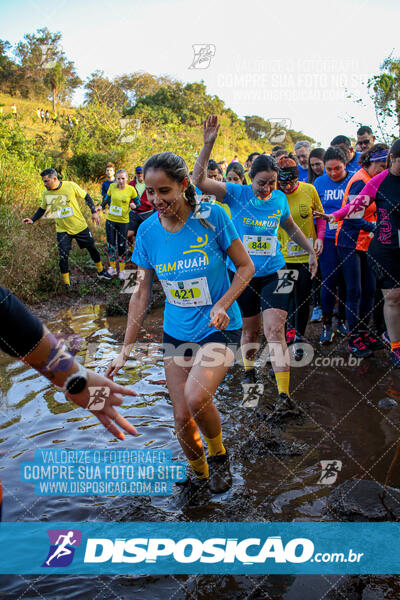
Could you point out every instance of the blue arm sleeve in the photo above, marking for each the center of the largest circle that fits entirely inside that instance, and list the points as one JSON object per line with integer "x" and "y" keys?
{"x": 106, "y": 200}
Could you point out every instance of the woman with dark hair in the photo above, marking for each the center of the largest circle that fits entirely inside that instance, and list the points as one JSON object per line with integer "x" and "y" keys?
{"x": 316, "y": 165}
{"x": 187, "y": 247}
{"x": 383, "y": 251}
{"x": 331, "y": 187}
{"x": 303, "y": 200}
{"x": 257, "y": 212}
{"x": 235, "y": 173}
{"x": 353, "y": 237}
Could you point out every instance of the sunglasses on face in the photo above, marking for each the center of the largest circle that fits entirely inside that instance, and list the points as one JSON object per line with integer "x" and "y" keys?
{"x": 286, "y": 178}
{"x": 364, "y": 143}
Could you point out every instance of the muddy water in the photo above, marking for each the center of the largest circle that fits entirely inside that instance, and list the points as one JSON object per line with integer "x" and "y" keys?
{"x": 276, "y": 468}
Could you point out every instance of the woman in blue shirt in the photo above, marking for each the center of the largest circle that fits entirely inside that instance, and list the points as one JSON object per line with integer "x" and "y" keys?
{"x": 331, "y": 187}
{"x": 258, "y": 210}
{"x": 186, "y": 245}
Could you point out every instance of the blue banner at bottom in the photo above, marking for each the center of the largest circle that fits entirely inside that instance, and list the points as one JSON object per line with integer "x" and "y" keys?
{"x": 209, "y": 548}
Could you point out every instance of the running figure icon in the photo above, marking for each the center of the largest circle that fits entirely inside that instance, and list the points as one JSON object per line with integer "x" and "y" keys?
{"x": 62, "y": 549}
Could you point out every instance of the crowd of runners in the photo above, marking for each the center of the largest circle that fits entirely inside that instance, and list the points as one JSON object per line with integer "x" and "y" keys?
{"x": 241, "y": 251}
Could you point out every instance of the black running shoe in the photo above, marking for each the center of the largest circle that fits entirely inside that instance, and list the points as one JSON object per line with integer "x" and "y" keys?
{"x": 220, "y": 478}
{"x": 194, "y": 491}
{"x": 104, "y": 275}
{"x": 372, "y": 342}
{"x": 357, "y": 347}
{"x": 284, "y": 403}
{"x": 249, "y": 377}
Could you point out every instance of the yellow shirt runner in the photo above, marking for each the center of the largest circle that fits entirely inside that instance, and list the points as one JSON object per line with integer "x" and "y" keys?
{"x": 62, "y": 205}
{"x": 302, "y": 203}
{"x": 119, "y": 203}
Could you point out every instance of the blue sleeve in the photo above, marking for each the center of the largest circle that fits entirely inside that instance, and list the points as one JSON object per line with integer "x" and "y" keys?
{"x": 233, "y": 193}
{"x": 104, "y": 189}
{"x": 285, "y": 208}
{"x": 317, "y": 186}
{"x": 355, "y": 189}
{"x": 140, "y": 256}
{"x": 367, "y": 225}
{"x": 225, "y": 229}
{"x": 106, "y": 200}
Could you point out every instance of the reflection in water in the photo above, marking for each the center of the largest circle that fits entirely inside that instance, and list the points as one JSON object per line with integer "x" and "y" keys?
{"x": 342, "y": 422}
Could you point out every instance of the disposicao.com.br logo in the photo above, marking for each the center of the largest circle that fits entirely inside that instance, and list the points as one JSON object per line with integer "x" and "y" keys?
{"x": 249, "y": 551}
{"x": 62, "y": 547}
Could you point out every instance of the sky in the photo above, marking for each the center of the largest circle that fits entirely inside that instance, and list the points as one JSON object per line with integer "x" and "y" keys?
{"x": 293, "y": 62}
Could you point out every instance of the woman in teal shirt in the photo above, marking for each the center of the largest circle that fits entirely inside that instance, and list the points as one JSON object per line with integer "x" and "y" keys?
{"x": 258, "y": 210}
{"x": 186, "y": 245}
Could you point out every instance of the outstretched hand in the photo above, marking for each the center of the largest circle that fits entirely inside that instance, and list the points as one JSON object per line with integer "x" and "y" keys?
{"x": 320, "y": 215}
{"x": 100, "y": 396}
{"x": 210, "y": 129}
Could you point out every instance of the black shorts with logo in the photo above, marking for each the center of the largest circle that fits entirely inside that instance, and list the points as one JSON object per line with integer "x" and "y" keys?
{"x": 262, "y": 293}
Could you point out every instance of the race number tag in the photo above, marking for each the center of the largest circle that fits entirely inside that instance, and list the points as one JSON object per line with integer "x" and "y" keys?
{"x": 67, "y": 211}
{"x": 262, "y": 245}
{"x": 332, "y": 225}
{"x": 115, "y": 210}
{"x": 191, "y": 292}
{"x": 294, "y": 249}
{"x": 55, "y": 206}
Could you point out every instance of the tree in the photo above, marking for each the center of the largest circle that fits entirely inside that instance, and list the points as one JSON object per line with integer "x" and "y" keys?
{"x": 7, "y": 66}
{"x": 101, "y": 90}
{"x": 257, "y": 128}
{"x": 190, "y": 102}
{"x": 59, "y": 78}
{"x": 37, "y": 59}
{"x": 384, "y": 90}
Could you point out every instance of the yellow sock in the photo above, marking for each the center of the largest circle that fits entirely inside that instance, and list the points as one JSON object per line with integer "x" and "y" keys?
{"x": 215, "y": 445}
{"x": 282, "y": 379}
{"x": 65, "y": 277}
{"x": 200, "y": 467}
{"x": 394, "y": 345}
{"x": 99, "y": 267}
{"x": 121, "y": 266}
{"x": 248, "y": 363}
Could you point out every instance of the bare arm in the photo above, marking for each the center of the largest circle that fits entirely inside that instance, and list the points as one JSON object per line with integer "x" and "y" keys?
{"x": 137, "y": 312}
{"x": 298, "y": 236}
{"x": 200, "y": 179}
{"x": 244, "y": 272}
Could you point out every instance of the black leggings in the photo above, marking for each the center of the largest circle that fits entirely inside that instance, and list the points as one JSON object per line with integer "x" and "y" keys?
{"x": 360, "y": 288}
{"x": 84, "y": 239}
{"x": 299, "y": 301}
{"x": 116, "y": 240}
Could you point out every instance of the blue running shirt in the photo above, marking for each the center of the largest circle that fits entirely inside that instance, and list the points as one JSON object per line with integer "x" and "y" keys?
{"x": 191, "y": 266}
{"x": 331, "y": 194}
{"x": 257, "y": 222}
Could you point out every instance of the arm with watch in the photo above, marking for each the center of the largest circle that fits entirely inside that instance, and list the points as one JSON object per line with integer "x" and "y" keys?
{"x": 22, "y": 335}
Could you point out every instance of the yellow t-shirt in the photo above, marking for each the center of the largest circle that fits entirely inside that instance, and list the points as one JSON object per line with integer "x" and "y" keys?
{"x": 62, "y": 205}
{"x": 225, "y": 207}
{"x": 302, "y": 203}
{"x": 118, "y": 211}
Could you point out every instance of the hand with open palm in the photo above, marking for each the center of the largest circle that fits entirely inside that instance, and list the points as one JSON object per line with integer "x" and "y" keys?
{"x": 210, "y": 129}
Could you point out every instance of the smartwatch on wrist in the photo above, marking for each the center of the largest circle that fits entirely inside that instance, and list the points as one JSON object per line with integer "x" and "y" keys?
{"x": 76, "y": 382}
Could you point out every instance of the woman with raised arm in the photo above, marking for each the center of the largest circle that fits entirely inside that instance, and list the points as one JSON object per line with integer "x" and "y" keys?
{"x": 258, "y": 210}
{"x": 187, "y": 248}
